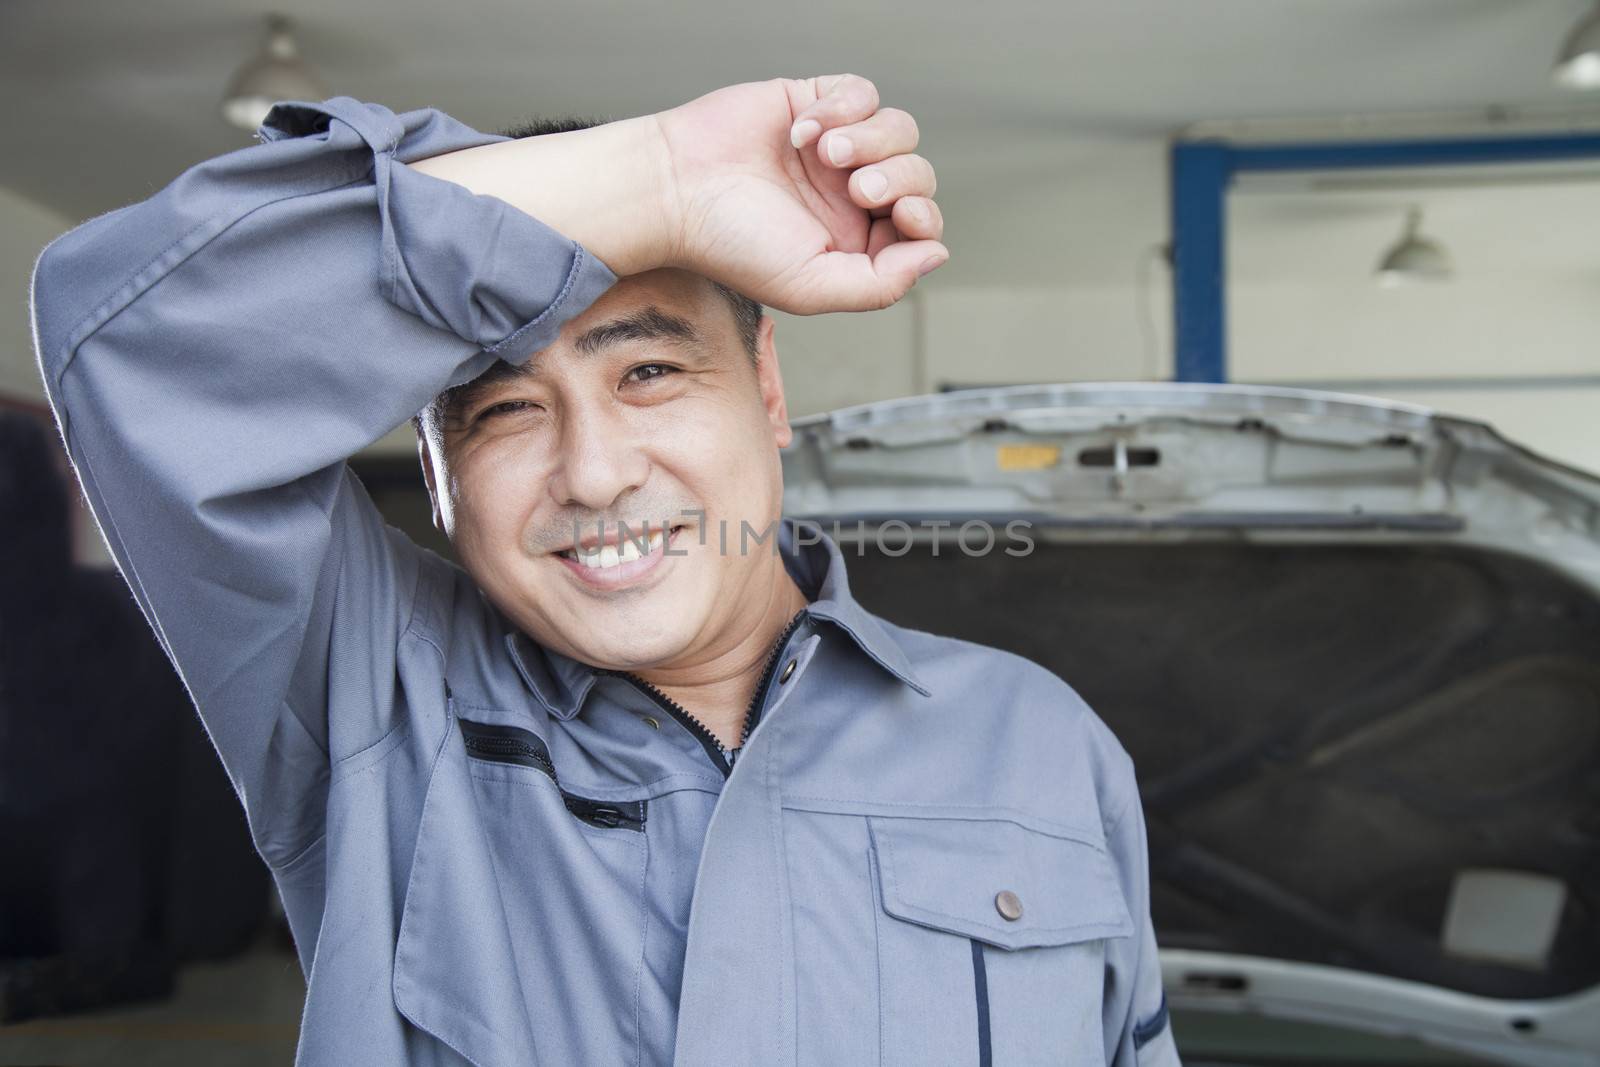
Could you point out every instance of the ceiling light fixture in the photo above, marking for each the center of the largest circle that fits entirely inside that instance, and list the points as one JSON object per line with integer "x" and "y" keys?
{"x": 276, "y": 73}
{"x": 1578, "y": 65}
{"x": 1413, "y": 258}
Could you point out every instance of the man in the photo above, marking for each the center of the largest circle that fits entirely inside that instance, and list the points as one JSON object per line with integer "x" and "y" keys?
{"x": 490, "y": 794}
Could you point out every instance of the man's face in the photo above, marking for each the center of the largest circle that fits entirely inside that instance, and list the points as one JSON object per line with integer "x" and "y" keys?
{"x": 646, "y": 409}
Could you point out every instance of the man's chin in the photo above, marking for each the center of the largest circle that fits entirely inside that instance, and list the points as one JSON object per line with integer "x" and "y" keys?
{"x": 630, "y": 637}
{"x": 629, "y": 657}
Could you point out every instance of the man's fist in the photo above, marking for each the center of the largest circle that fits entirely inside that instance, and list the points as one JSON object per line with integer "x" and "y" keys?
{"x": 803, "y": 194}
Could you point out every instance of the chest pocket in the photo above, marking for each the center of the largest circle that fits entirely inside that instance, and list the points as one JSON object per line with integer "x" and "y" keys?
{"x": 991, "y": 942}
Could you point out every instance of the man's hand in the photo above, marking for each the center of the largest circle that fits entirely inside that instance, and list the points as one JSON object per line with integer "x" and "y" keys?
{"x": 802, "y": 194}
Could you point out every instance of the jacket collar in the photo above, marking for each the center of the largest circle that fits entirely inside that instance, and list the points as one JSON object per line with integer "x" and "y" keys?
{"x": 559, "y": 682}
{"x": 817, "y": 566}
{"x": 812, "y": 559}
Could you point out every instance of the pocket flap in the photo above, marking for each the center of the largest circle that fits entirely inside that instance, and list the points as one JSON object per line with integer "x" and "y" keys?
{"x": 949, "y": 874}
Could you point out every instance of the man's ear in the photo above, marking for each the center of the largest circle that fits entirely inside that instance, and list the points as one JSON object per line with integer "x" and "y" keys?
{"x": 771, "y": 382}
{"x": 425, "y": 455}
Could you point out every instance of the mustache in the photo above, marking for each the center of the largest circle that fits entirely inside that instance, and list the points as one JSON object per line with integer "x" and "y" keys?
{"x": 572, "y": 526}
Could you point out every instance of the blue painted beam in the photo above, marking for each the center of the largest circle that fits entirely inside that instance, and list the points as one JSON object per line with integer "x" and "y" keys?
{"x": 1203, "y": 170}
{"x": 1200, "y": 176}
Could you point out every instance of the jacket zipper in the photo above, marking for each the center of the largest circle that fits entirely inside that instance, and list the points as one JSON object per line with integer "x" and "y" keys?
{"x": 702, "y": 733}
{"x": 502, "y": 748}
{"x": 752, "y": 711}
{"x": 722, "y": 757}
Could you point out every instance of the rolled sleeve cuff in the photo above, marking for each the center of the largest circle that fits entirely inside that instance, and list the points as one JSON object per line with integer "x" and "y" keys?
{"x": 488, "y": 272}
{"x": 471, "y": 264}
{"x": 587, "y": 279}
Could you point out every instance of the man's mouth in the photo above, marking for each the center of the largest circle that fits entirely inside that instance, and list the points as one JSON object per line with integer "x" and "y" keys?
{"x": 613, "y": 558}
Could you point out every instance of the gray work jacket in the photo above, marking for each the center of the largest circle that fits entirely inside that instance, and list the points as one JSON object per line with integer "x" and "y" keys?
{"x": 494, "y": 855}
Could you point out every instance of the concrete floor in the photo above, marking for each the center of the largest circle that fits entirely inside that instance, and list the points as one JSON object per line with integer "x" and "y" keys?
{"x": 244, "y": 1012}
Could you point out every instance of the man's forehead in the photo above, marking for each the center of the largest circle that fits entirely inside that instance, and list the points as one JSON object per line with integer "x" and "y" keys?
{"x": 677, "y": 292}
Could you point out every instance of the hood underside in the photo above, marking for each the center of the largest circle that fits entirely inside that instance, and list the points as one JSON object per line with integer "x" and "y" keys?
{"x": 1326, "y": 737}
{"x": 1353, "y": 648}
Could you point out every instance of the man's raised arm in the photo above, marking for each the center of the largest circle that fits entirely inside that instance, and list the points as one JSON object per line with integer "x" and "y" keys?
{"x": 214, "y": 354}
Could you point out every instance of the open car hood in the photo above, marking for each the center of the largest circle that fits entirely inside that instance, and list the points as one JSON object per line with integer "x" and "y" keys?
{"x": 1352, "y": 646}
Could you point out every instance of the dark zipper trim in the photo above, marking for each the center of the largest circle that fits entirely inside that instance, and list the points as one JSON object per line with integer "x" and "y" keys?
{"x": 980, "y": 984}
{"x": 502, "y": 748}
{"x": 511, "y": 744}
{"x": 752, "y": 711}
{"x": 1148, "y": 1030}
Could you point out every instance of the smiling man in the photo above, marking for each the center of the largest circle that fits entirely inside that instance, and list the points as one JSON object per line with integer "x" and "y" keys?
{"x": 640, "y": 449}
{"x": 586, "y": 798}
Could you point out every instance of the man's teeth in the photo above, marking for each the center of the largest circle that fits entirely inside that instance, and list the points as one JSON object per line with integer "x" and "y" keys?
{"x": 610, "y": 555}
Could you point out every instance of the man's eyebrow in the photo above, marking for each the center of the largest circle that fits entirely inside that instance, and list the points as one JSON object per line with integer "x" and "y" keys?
{"x": 646, "y": 324}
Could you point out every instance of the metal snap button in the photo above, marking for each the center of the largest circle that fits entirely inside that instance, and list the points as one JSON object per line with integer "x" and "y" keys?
{"x": 650, "y": 722}
{"x": 788, "y": 669}
{"x": 1008, "y": 904}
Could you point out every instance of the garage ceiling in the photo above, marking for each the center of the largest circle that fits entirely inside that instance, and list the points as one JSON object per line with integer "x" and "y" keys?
{"x": 110, "y": 99}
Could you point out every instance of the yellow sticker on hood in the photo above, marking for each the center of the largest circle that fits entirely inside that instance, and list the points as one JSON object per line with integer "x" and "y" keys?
{"x": 1028, "y": 457}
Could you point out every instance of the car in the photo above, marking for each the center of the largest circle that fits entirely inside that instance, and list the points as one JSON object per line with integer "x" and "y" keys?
{"x": 1353, "y": 647}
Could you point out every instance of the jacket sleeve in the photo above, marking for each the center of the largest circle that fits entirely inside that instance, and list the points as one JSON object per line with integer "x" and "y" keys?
{"x": 1138, "y": 1032}
{"x": 214, "y": 354}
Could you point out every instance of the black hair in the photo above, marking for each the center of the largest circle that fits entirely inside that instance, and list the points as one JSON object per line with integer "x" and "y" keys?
{"x": 746, "y": 312}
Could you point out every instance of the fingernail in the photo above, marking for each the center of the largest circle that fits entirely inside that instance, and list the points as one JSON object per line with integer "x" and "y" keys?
{"x": 874, "y": 185}
{"x": 917, "y": 210}
{"x": 931, "y": 264}
{"x": 840, "y": 149}
{"x": 803, "y": 131}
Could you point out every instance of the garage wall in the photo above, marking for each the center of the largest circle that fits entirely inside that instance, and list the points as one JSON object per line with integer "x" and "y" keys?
{"x": 1511, "y": 339}
{"x": 27, "y": 228}
{"x": 1355, "y": 337}
{"x": 1050, "y": 241}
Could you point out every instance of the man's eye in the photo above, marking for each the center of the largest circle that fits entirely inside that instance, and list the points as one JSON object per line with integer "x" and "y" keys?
{"x": 647, "y": 371}
{"x": 505, "y": 407}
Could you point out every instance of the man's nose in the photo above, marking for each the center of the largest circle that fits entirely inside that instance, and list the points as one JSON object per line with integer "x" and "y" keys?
{"x": 599, "y": 460}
